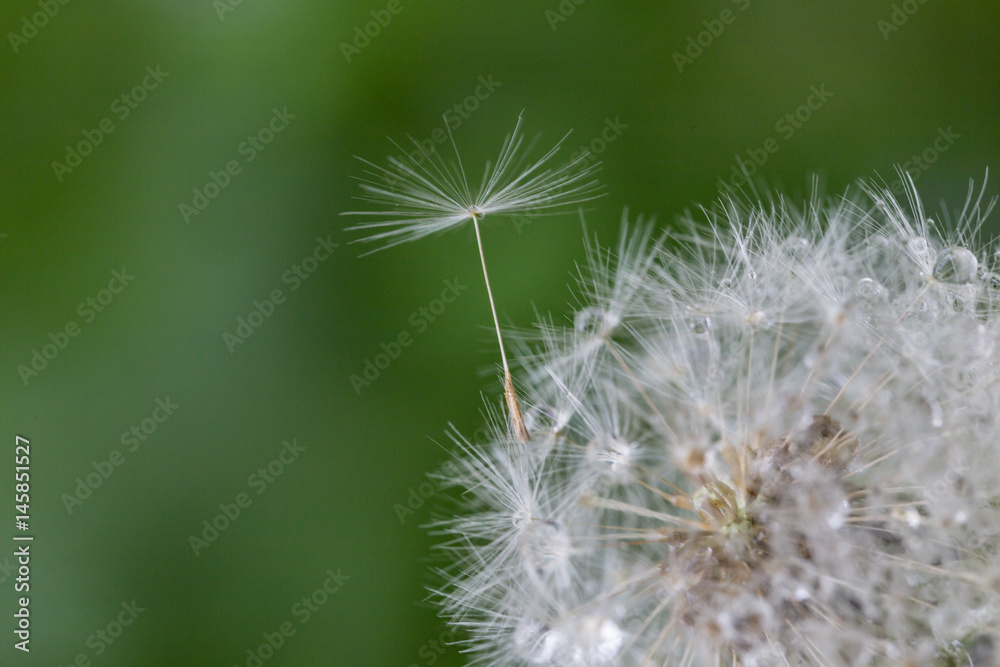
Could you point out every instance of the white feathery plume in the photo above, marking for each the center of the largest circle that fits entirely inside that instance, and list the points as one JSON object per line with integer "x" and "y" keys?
{"x": 423, "y": 199}
{"x": 431, "y": 196}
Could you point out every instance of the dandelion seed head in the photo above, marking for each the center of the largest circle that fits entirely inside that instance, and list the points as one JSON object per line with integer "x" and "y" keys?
{"x": 769, "y": 439}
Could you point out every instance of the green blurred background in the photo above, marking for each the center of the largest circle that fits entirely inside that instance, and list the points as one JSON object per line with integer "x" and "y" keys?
{"x": 228, "y": 65}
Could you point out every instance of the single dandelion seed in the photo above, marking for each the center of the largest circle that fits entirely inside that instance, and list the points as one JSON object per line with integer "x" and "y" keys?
{"x": 429, "y": 196}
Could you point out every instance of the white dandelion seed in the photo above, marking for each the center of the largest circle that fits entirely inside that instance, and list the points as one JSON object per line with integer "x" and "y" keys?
{"x": 429, "y": 196}
{"x": 774, "y": 441}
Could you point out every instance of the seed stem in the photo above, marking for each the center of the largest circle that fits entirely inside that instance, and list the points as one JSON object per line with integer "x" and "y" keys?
{"x": 508, "y": 381}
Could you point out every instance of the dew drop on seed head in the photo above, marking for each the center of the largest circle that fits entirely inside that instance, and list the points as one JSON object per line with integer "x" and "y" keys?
{"x": 700, "y": 325}
{"x": 536, "y": 642}
{"x": 934, "y": 411}
{"x": 594, "y": 321}
{"x": 956, "y": 265}
{"x": 837, "y": 516}
{"x": 604, "y": 640}
{"x": 870, "y": 290}
{"x": 918, "y": 248}
{"x": 797, "y": 247}
{"x": 545, "y": 546}
{"x": 539, "y": 417}
{"x": 756, "y": 319}
{"x": 610, "y": 456}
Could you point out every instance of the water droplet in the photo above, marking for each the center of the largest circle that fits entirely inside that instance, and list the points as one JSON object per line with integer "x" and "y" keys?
{"x": 836, "y": 518}
{"x": 539, "y": 418}
{"x": 536, "y": 642}
{"x": 917, "y": 248}
{"x": 797, "y": 247}
{"x": 870, "y": 290}
{"x": 610, "y": 455}
{"x": 545, "y": 547}
{"x": 934, "y": 411}
{"x": 956, "y": 265}
{"x": 756, "y": 319}
{"x": 594, "y": 321}
{"x": 700, "y": 325}
{"x": 604, "y": 640}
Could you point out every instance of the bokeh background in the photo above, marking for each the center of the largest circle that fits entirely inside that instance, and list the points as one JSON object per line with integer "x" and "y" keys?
{"x": 928, "y": 70}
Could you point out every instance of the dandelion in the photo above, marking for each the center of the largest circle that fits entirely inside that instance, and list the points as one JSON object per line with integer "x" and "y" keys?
{"x": 771, "y": 439}
{"x": 429, "y": 196}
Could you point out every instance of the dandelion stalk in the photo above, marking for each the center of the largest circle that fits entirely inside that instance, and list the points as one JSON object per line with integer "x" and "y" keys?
{"x": 508, "y": 382}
